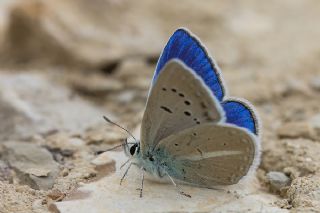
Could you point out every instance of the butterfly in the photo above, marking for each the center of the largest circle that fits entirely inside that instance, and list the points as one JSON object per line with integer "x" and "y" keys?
{"x": 191, "y": 131}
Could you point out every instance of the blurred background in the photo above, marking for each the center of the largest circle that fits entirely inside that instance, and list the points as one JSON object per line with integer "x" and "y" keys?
{"x": 65, "y": 63}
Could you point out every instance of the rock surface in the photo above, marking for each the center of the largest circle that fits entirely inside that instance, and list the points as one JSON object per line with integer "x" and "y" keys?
{"x": 315, "y": 83}
{"x": 305, "y": 192}
{"x": 65, "y": 63}
{"x": 315, "y": 123}
{"x": 297, "y": 130}
{"x": 34, "y": 165}
{"x": 102, "y": 160}
{"x": 278, "y": 180}
{"x": 39, "y": 106}
{"x": 5, "y": 172}
{"x": 106, "y": 195}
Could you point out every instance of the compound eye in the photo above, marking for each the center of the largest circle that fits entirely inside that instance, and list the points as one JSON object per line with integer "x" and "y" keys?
{"x": 133, "y": 149}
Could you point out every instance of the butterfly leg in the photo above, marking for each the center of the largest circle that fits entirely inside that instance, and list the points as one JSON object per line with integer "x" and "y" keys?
{"x": 141, "y": 189}
{"x": 125, "y": 173}
{"x": 177, "y": 187}
{"x": 142, "y": 181}
{"x": 125, "y": 163}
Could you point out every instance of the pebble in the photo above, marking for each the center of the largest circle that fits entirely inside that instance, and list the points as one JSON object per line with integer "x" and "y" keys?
{"x": 37, "y": 205}
{"x": 101, "y": 134}
{"x": 33, "y": 164}
{"x": 102, "y": 159}
{"x": 315, "y": 123}
{"x": 38, "y": 172}
{"x": 65, "y": 172}
{"x": 5, "y": 172}
{"x": 296, "y": 130}
{"x": 315, "y": 83}
{"x": 56, "y": 195}
{"x": 278, "y": 180}
{"x": 96, "y": 84}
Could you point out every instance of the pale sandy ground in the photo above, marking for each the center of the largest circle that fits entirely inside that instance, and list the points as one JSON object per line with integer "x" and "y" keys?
{"x": 64, "y": 64}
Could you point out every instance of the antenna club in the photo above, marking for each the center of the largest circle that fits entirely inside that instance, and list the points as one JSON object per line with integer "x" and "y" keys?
{"x": 109, "y": 121}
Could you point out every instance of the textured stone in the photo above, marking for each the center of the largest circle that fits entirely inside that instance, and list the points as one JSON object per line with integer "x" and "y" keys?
{"x": 119, "y": 40}
{"x": 301, "y": 155}
{"x": 54, "y": 26}
{"x": 315, "y": 83}
{"x": 278, "y": 180}
{"x": 106, "y": 133}
{"x": 34, "y": 165}
{"x": 15, "y": 198}
{"x": 31, "y": 104}
{"x": 5, "y": 172}
{"x": 106, "y": 195}
{"x": 315, "y": 123}
{"x": 102, "y": 159}
{"x": 95, "y": 84}
{"x": 305, "y": 192}
{"x": 297, "y": 130}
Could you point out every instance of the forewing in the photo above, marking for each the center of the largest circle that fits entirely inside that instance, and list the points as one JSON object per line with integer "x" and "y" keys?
{"x": 209, "y": 155}
{"x": 186, "y": 47}
{"x": 179, "y": 99}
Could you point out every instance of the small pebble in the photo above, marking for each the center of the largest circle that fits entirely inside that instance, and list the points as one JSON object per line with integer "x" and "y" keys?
{"x": 65, "y": 172}
{"x": 56, "y": 195}
{"x": 102, "y": 159}
{"x": 39, "y": 172}
{"x": 278, "y": 180}
{"x": 315, "y": 123}
{"x": 296, "y": 130}
{"x": 315, "y": 83}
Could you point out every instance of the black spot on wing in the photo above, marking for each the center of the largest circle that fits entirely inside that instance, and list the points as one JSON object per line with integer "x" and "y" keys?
{"x": 187, "y": 113}
{"x": 166, "y": 109}
{"x": 187, "y": 102}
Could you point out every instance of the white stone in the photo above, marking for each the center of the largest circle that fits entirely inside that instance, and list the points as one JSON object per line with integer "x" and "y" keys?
{"x": 38, "y": 172}
{"x": 31, "y": 104}
{"x": 315, "y": 83}
{"x": 102, "y": 159}
{"x": 33, "y": 164}
{"x": 278, "y": 180}
{"x": 106, "y": 195}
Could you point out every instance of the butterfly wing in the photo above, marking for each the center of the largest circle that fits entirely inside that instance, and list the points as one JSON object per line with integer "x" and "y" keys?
{"x": 186, "y": 47}
{"x": 241, "y": 113}
{"x": 179, "y": 99}
{"x": 208, "y": 155}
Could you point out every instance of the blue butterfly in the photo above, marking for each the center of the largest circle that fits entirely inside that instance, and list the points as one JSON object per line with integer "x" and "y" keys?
{"x": 192, "y": 132}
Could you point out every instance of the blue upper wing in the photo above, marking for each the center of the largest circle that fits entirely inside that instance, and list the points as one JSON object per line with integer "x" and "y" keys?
{"x": 239, "y": 113}
{"x": 184, "y": 46}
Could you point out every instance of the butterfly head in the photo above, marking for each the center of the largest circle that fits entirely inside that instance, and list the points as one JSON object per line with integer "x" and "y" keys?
{"x": 132, "y": 149}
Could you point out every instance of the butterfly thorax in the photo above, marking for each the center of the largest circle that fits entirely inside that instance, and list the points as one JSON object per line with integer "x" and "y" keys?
{"x": 150, "y": 161}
